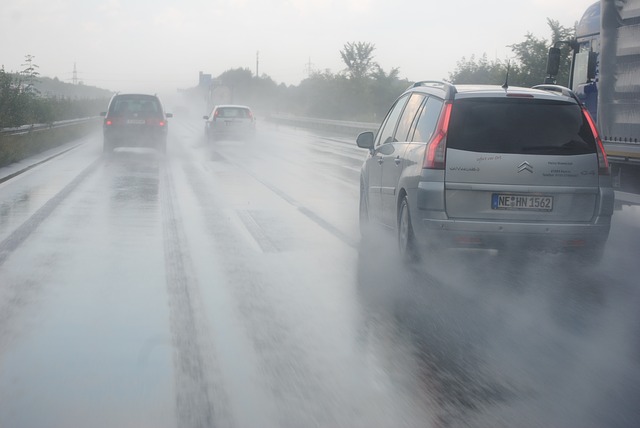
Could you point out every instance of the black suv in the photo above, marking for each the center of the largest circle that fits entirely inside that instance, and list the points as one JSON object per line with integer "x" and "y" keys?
{"x": 135, "y": 120}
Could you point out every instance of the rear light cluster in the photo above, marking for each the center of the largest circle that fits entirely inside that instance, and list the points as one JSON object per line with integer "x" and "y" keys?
{"x": 436, "y": 149}
{"x": 603, "y": 162}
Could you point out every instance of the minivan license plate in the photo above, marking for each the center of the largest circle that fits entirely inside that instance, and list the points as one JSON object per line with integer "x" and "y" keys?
{"x": 500, "y": 201}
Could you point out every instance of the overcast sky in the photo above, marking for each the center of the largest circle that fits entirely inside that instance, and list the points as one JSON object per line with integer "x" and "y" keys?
{"x": 161, "y": 45}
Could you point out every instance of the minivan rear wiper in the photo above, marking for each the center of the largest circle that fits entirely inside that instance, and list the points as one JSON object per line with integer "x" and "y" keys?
{"x": 572, "y": 147}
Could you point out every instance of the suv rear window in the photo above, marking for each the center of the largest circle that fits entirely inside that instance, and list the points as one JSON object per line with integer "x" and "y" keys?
{"x": 146, "y": 106}
{"x": 519, "y": 125}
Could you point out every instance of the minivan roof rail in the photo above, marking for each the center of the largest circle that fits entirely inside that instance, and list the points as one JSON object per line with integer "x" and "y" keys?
{"x": 447, "y": 87}
{"x": 557, "y": 88}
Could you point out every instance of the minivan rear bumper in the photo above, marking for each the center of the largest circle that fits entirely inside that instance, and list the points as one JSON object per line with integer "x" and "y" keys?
{"x": 484, "y": 234}
{"x": 434, "y": 228}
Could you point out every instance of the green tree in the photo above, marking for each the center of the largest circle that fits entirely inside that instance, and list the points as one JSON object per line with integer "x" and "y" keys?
{"x": 531, "y": 55}
{"x": 30, "y": 75}
{"x": 479, "y": 71}
{"x": 528, "y": 67}
{"x": 8, "y": 95}
{"x": 15, "y": 103}
{"x": 386, "y": 87}
{"x": 358, "y": 57}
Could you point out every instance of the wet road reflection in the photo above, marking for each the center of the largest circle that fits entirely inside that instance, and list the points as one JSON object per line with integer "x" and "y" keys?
{"x": 227, "y": 285}
{"x": 522, "y": 340}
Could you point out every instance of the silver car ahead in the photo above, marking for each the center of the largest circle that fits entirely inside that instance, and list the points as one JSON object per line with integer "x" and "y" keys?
{"x": 488, "y": 167}
{"x": 230, "y": 122}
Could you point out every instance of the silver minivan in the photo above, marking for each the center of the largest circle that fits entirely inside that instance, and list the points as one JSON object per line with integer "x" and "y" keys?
{"x": 463, "y": 166}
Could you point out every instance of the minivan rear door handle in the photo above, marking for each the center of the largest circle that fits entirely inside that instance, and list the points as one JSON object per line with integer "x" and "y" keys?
{"x": 380, "y": 160}
{"x": 397, "y": 160}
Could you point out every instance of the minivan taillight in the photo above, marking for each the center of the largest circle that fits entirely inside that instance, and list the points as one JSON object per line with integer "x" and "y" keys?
{"x": 603, "y": 162}
{"x": 436, "y": 148}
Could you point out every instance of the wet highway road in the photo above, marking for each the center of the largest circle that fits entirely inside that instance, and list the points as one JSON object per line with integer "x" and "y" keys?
{"x": 227, "y": 286}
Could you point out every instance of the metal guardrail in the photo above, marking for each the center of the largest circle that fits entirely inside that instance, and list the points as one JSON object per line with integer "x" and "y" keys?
{"x": 25, "y": 129}
{"x": 316, "y": 123}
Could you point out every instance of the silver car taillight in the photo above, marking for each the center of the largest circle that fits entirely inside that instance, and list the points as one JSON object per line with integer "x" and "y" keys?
{"x": 603, "y": 162}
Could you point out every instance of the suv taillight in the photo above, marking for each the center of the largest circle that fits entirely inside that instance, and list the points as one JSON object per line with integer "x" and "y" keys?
{"x": 603, "y": 162}
{"x": 436, "y": 148}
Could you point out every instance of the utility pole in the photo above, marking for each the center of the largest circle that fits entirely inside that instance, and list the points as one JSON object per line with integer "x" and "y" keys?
{"x": 75, "y": 74}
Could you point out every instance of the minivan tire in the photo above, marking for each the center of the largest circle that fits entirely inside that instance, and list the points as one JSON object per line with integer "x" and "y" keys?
{"x": 406, "y": 237}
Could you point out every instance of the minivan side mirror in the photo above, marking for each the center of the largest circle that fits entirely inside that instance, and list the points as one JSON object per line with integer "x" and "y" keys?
{"x": 365, "y": 140}
{"x": 205, "y": 117}
{"x": 169, "y": 115}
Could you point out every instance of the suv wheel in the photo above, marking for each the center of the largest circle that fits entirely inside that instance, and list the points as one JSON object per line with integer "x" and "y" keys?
{"x": 406, "y": 237}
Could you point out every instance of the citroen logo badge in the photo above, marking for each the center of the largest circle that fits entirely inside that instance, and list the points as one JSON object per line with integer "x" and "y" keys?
{"x": 525, "y": 166}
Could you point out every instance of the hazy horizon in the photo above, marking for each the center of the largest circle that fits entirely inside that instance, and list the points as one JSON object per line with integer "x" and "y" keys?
{"x": 162, "y": 46}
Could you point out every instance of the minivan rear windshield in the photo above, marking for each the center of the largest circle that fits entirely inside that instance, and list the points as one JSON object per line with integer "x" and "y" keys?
{"x": 519, "y": 125}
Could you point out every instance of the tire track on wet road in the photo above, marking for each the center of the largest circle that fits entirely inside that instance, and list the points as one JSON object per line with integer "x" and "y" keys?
{"x": 18, "y": 236}
{"x": 198, "y": 402}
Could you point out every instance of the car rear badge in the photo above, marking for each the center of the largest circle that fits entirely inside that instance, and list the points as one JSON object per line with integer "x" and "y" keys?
{"x": 525, "y": 166}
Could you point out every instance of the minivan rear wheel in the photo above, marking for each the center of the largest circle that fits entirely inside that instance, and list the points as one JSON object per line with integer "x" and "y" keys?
{"x": 406, "y": 238}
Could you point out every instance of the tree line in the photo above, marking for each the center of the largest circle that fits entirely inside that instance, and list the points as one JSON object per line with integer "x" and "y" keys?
{"x": 22, "y": 103}
{"x": 363, "y": 90}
